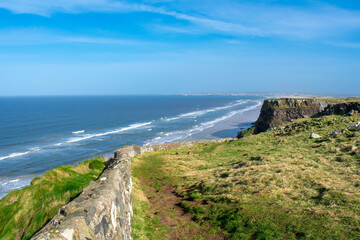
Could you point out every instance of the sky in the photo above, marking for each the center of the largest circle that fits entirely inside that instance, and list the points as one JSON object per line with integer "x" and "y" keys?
{"x": 107, "y": 47}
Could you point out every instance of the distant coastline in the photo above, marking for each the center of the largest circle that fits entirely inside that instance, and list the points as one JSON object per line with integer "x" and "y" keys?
{"x": 260, "y": 94}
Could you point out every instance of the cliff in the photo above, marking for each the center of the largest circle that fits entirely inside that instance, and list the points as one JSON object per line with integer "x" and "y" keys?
{"x": 275, "y": 112}
{"x": 342, "y": 108}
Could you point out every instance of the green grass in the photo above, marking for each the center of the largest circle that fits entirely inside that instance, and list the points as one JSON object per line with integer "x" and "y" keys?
{"x": 274, "y": 185}
{"x": 246, "y": 132}
{"x": 329, "y": 100}
{"x": 144, "y": 224}
{"x": 149, "y": 226}
{"x": 340, "y": 100}
{"x": 25, "y": 211}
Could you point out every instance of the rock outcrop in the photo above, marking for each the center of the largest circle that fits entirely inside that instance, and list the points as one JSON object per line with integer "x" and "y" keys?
{"x": 104, "y": 209}
{"x": 342, "y": 108}
{"x": 315, "y": 136}
{"x": 275, "y": 112}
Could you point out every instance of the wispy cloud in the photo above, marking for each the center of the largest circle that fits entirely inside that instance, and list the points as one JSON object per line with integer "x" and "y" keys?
{"x": 352, "y": 45}
{"x": 34, "y": 36}
{"x": 312, "y": 22}
{"x": 46, "y": 8}
{"x": 228, "y": 18}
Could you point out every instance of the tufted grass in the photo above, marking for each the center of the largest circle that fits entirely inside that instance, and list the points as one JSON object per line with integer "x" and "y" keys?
{"x": 274, "y": 185}
{"x": 25, "y": 211}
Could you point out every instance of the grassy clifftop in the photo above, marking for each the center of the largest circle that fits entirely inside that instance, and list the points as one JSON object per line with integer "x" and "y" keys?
{"x": 25, "y": 211}
{"x": 265, "y": 186}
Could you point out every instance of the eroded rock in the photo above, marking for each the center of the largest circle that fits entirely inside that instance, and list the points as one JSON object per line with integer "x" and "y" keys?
{"x": 275, "y": 112}
{"x": 315, "y": 136}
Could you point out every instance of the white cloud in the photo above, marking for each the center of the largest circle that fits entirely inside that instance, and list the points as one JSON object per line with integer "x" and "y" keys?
{"x": 34, "y": 36}
{"x": 312, "y": 22}
{"x": 228, "y": 17}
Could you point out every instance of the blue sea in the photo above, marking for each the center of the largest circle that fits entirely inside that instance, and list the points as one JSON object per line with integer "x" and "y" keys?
{"x": 40, "y": 133}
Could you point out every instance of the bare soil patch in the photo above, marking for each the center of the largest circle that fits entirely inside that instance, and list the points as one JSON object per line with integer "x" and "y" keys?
{"x": 166, "y": 205}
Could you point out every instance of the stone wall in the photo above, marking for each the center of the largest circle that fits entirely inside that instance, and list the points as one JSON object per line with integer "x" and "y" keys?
{"x": 104, "y": 209}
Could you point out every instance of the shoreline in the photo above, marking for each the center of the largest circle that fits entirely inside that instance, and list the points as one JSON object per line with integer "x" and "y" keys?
{"x": 226, "y": 128}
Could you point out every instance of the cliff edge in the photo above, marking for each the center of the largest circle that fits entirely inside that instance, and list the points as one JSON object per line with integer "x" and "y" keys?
{"x": 275, "y": 112}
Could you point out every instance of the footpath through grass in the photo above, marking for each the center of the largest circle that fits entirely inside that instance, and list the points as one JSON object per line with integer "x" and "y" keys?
{"x": 279, "y": 185}
{"x": 157, "y": 209}
{"x": 25, "y": 211}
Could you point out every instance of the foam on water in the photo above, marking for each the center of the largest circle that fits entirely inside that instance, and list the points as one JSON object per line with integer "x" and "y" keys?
{"x": 88, "y": 136}
{"x": 38, "y": 148}
{"x": 8, "y": 184}
{"x": 18, "y": 154}
{"x": 183, "y": 134}
{"x": 77, "y": 139}
{"x": 202, "y": 112}
{"x": 77, "y": 132}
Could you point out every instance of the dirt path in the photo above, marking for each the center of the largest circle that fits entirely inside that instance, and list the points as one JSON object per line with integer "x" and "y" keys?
{"x": 167, "y": 206}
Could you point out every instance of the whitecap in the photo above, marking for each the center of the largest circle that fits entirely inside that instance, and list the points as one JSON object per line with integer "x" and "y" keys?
{"x": 13, "y": 155}
{"x": 77, "y": 132}
{"x": 183, "y": 134}
{"x": 9, "y": 184}
{"x": 88, "y": 136}
{"x": 202, "y": 112}
{"x": 35, "y": 149}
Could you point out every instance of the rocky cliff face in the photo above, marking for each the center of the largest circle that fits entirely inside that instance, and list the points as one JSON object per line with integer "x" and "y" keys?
{"x": 274, "y": 112}
{"x": 104, "y": 209}
{"x": 342, "y": 108}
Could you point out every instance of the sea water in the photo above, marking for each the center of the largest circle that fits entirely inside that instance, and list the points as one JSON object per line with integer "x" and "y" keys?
{"x": 40, "y": 133}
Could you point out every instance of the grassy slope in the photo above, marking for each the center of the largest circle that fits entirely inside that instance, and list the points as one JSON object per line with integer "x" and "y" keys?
{"x": 340, "y": 100}
{"x": 25, "y": 211}
{"x": 263, "y": 186}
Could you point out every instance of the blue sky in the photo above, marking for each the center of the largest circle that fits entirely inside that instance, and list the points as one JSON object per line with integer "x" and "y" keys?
{"x": 85, "y": 47}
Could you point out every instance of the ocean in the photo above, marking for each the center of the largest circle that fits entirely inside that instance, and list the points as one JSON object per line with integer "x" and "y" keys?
{"x": 40, "y": 133}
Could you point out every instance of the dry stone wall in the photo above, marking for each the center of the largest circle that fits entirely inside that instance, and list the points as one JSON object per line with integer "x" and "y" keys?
{"x": 104, "y": 209}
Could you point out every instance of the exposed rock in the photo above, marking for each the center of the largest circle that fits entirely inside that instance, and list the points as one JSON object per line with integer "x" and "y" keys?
{"x": 104, "y": 209}
{"x": 315, "y": 136}
{"x": 338, "y": 132}
{"x": 245, "y": 133}
{"x": 351, "y": 127}
{"x": 352, "y": 112}
{"x": 351, "y": 135}
{"x": 63, "y": 211}
{"x": 342, "y": 108}
{"x": 275, "y": 112}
